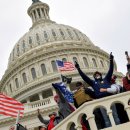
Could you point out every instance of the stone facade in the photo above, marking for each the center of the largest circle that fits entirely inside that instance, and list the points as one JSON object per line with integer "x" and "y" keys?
{"x": 32, "y": 64}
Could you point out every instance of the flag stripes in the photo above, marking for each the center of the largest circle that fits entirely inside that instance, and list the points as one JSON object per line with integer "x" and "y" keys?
{"x": 65, "y": 66}
{"x": 10, "y": 106}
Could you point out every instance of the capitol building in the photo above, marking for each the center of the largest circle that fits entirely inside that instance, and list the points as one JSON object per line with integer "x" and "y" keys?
{"x": 32, "y": 69}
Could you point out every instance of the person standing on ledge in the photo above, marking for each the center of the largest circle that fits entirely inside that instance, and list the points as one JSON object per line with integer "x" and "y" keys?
{"x": 98, "y": 81}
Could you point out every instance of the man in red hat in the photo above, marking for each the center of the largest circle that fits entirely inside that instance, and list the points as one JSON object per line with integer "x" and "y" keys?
{"x": 52, "y": 122}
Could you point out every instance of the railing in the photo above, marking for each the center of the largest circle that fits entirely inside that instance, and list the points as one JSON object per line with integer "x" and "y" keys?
{"x": 32, "y": 106}
{"x": 39, "y": 104}
{"x": 88, "y": 109}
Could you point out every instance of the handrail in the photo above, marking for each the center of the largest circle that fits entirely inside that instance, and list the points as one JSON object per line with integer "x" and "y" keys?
{"x": 88, "y": 108}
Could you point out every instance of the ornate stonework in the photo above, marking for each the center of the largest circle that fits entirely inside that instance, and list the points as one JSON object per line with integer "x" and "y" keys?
{"x": 32, "y": 68}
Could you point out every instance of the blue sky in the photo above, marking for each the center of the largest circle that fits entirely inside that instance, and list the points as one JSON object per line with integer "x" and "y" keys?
{"x": 105, "y": 22}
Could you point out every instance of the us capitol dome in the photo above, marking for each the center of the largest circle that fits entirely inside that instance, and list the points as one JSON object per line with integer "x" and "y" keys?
{"x": 32, "y": 64}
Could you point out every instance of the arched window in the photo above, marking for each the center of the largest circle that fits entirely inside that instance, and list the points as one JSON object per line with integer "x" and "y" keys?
{"x": 24, "y": 77}
{"x": 64, "y": 59}
{"x": 30, "y": 41}
{"x": 85, "y": 61}
{"x": 101, "y": 62}
{"x": 23, "y": 45}
{"x": 43, "y": 68}
{"x": 17, "y": 82}
{"x": 10, "y": 88}
{"x": 45, "y": 36}
{"x": 76, "y": 35}
{"x": 37, "y": 38}
{"x": 18, "y": 50}
{"x": 69, "y": 33}
{"x": 53, "y": 33}
{"x": 33, "y": 73}
{"x": 94, "y": 62}
{"x": 62, "y": 34}
{"x": 54, "y": 66}
{"x": 75, "y": 59}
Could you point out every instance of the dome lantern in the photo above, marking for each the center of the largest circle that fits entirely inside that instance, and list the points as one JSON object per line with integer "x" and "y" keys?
{"x": 39, "y": 12}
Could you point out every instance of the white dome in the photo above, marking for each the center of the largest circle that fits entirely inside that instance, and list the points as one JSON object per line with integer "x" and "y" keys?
{"x": 46, "y": 33}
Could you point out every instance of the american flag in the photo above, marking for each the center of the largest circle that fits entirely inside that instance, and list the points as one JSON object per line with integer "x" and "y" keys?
{"x": 10, "y": 106}
{"x": 65, "y": 66}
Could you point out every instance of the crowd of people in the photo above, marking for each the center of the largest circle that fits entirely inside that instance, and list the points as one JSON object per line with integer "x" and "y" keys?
{"x": 99, "y": 87}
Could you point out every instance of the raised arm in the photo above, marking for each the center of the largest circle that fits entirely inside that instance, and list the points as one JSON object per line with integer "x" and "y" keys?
{"x": 83, "y": 75}
{"x": 128, "y": 61}
{"x": 111, "y": 68}
{"x": 42, "y": 120}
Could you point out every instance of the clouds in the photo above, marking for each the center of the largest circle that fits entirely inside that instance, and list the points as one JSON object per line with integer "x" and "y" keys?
{"x": 105, "y": 22}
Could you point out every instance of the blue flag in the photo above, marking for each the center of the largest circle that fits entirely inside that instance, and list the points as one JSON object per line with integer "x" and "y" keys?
{"x": 66, "y": 93}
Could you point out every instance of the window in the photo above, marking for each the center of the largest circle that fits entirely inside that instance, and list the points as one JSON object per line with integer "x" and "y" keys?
{"x": 85, "y": 61}
{"x": 33, "y": 73}
{"x": 75, "y": 59}
{"x": 10, "y": 88}
{"x": 23, "y": 101}
{"x": 76, "y": 34}
{"x": 37, "y": 38}
{"x": 18, "y": 50}
{"x": 47, "y": 93}
{"x": 30, "y": 41}
{"x": 101, "y": 62}
{"x": 24, "y": 77}
{"x": 39, "y": 13}
{"x": 69, "y": 33}
{"x": 94, "y": 62}
{"x": 23, "y": 45}
{"x": 43, "y": 68}
{"x": 54, "y": 66}
{"x": 34, "y": 98}
{"x": 53, "y": 33}
{"x": 62, "y": 34}
{"x": 64, "y": 59}
{"x": 17, "y": 83}
{"x": 34, "y": 14}
{"x": 45, "y": 36}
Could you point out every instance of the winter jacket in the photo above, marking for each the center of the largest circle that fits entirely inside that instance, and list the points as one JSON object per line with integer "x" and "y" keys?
{"x": 65, "y": 108}
{"x": 96, "y": 84}
{"x": 46, "y": 122}
{"x": 126, "y": 84}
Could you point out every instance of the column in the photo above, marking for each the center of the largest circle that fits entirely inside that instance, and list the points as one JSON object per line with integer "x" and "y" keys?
{"x": 111, "y": 118}
{"x": 37, "y": 14}
{"x": 40, "y": 96}
{"x": 53, "y": 91}
{"x": 28, "y": 100}
{"x": 33, "y": 17}
{"x": 45, "y": 13}
{"x": 41, "y": 13}
{"x": 92, "y": 123}
{"x": 78, "y": 127}
{"x": 128, "y": 112}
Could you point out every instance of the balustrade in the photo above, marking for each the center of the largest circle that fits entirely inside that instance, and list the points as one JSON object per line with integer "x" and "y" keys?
{"x": 88, "y": 108}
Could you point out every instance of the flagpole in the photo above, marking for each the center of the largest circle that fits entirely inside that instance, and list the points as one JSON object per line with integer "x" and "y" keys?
{"x": 17, "y": 119}
{"x": 59, "y": 71}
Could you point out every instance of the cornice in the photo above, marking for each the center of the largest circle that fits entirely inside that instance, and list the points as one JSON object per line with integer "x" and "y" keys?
{"x": 38, "y": 54}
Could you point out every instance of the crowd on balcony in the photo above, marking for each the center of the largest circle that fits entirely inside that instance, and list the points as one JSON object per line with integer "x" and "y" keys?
{"x": 99, "y": 87}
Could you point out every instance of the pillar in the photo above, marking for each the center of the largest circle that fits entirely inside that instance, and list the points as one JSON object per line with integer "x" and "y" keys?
{"x": 111, "y": 118}
{"x": 92, "y": 123}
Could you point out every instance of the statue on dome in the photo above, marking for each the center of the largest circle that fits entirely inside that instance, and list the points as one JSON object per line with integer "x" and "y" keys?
{"x": 34, "y": 1}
